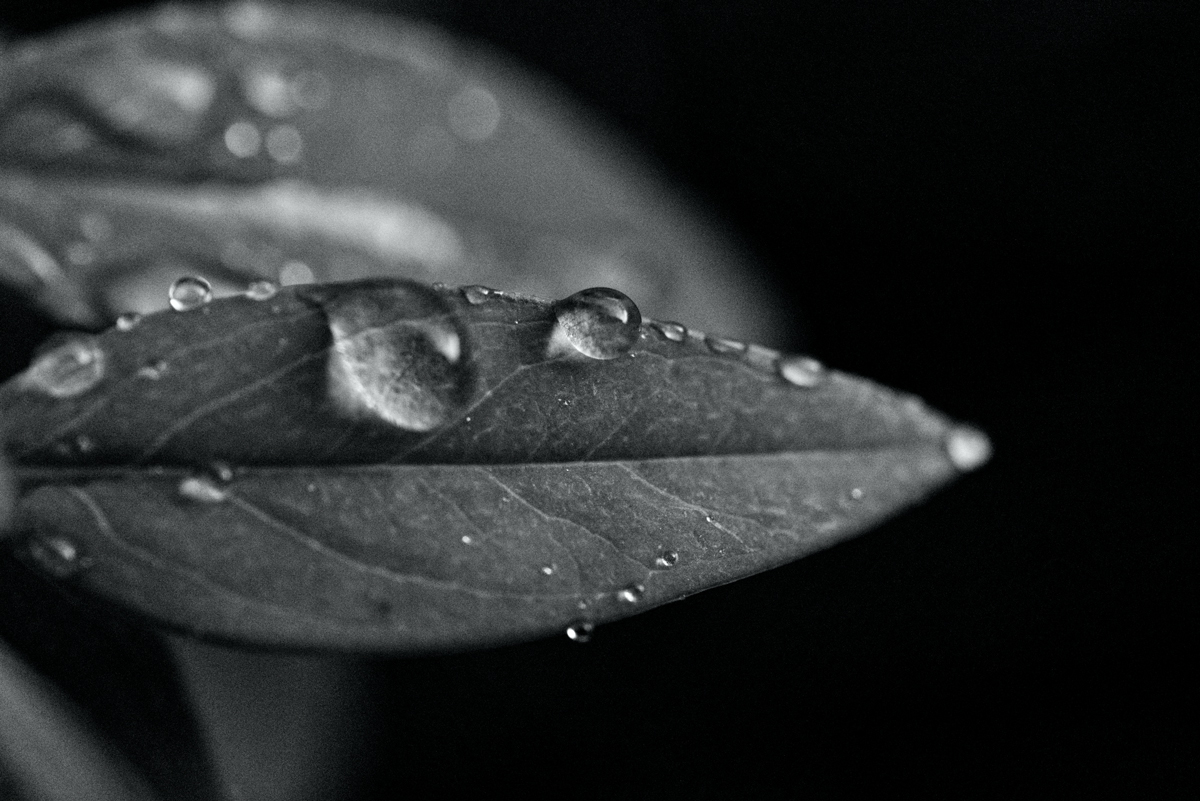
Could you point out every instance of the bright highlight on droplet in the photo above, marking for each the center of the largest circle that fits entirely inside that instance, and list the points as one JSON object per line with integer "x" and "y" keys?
{"x": 667, "y": 559}
{"x": 201, "y": 489}
{"x": 631, "y": 594}
{"x": 69, "y": 370}
{"x": 968, "y": 448}
{"x": 262, "y": 290}
{"x": 599, "y": 323}
{"x": 128, "y": 321}
{"x": 801, "y": 371}
{"x": 581, "y": 630}
{"x": 189, "y": 292}
{"x": 56, "y": 555}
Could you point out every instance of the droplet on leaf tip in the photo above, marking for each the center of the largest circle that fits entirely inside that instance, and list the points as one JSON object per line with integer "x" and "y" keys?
{"x": 581, "y": 630}
{"x": 189, "y": 292}
{"x": 68, "y": 370}
{"x": 128, "y": 321}
{"x": 801, "y": 371}
{"x": 599, "y": 323}
{"x": 201, "y": 489}
{"x": 262, "y": 290}
{"x": 968, "y": 448}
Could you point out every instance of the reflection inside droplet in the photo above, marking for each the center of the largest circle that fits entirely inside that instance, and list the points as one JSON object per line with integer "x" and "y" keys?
{"x": 56, "y": 555}
{"x": 397, "y": 353}
{"x": 599, "y": 323}
{"x": 189, "y": 292}
{"x": 262, "y": 290}
{"x": 581, "y": 630}
{"x": 66, "y": 371}
{"x": 667, "y": 559}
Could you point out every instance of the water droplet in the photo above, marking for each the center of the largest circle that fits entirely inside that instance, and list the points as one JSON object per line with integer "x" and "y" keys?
{"x": 221, "y": 472}
{"x": 295, "y": 272}
{"x": 600, "y": 323}
{"x": 581, "y": 630}
{"x": 722, "y": 345}
{"x": 201, "y": 489}
{"x": 466, "y": 539}
{"x": 56, "y": 555}
{"x": 84, "y": 444}
{"x": 672, "y": 331}
{"x": 152, "y": 371}
{"x": 856, "y": 494}
{"x": 262, "y": 290}
{"x": 397, "y": 354}
{"x": 473, "y": 114}
{"x": 477, "y": 294}
{"x": 548, "y": 570}
{"x": 189, "y": 292}
{"x": 968, "y": 448}
{"x": 128, "y": 321}
{"x": 631, "y": 594}
{"x": 66, "y": 371}
{"x": 243, "y": 140}
{"x": 801, "y": 371}
{"x": 667, "y": 559}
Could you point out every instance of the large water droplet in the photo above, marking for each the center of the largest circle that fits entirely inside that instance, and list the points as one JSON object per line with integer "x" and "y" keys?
{"x": 477, "y": 294}
{"x": 397, "y": 355}
{"x": 262, "y": 290}
{"x": 801, "y": 371}
{"x": 631, "y": 594}
{"x": 68, "y": 370}
{"x": 128, "y": 321}
{"x": 56, "y": 555}
{"x": 581, "y": 630}
{"x": 672, "y": 331}
{"x": 190, "y": 292}
{"x": 202, "y": 489}
{"x": 667, "y": 559}
{"x": 600, "y": 323}
{"x": 968, "y": 448}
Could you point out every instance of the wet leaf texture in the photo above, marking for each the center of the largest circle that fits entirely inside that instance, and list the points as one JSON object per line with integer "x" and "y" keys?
{"x": 383, "y": 465}
{"x": 299, "y": 145}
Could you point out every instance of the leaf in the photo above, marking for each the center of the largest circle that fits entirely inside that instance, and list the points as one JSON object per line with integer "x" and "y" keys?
{"x": 256, "y": 142}
{"x": 419, "y": 469}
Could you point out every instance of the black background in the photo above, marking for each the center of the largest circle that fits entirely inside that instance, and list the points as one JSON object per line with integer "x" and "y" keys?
{"x": 993, "y": 205}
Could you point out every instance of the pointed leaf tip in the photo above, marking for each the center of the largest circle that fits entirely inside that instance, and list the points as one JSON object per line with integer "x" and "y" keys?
{"x": 423, "y": 469}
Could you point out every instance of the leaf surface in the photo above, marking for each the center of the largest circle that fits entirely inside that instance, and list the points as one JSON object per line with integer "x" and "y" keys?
{"x": 418, "y": 469}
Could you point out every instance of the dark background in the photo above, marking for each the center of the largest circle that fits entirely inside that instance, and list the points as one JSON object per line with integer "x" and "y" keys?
{"x": 993, "y": 205}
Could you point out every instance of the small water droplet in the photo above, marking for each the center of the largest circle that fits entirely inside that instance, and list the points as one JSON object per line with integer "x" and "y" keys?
{"x": 66, "y": 371}
{"x": 84, "y": 444}
{"x": 221, "y": 472}
{"x": 667, "y": 559}
{"x": 262, "y": 290}
{"x": 631, "y": 594}
{"x": 600, "y": 323}
{"x": 128, "y": 321}
{"x": 189, "y": 292}
{"x": 968, "y": 448}
{"x": 672, "y": 331}
{"x": 722, "y": 345}
{"x": 477, "y": 294}
{"x": 56, "y": 555}
{"x": 397, "y": 354}
{"x": 581, "y": 630}
{"x": 856, "y": 494}
{"x": 548, "y": 570}
{"x": 801, "y": 371}
{"x": 201, "y": 489}
{"x": 153, "y": 370}
{"x": 466, "y": 539}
